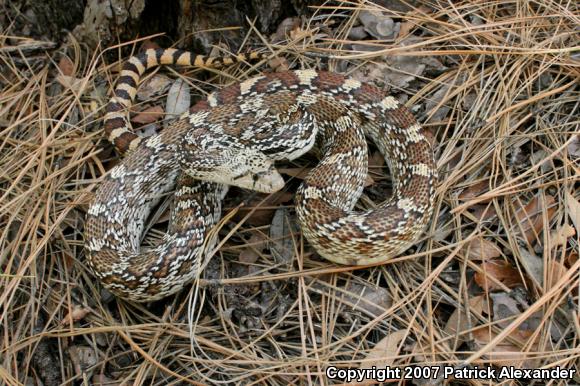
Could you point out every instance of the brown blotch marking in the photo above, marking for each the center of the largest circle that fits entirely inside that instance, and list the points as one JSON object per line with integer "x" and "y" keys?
{"x": 368, "y": 93}
{"x": 228, "y": 95}
{"x": 114, "y": 123}
{"x": 124, "y": 140}
{"x": 153, "y": 289}
{"x": 113, "y": 107}
{"x": 128, "y": 66}
{"x": 286, "y": 78}
{"x": 327, "y": 81}
{"x": 261, "y": 86}
{"x": 401, "y": 117}
{"x": 158, "y": 54}
{"x": 123, "y": 94}
{"x": 185, "y": 267}
{"x": 419, "y": 152}
{"x": 238, "y": 129}
{"x": 326, "y": 110}
{"x": 162, "y": 272}
{"x": 128, "y": 80}
{"x": 199, "y": 106}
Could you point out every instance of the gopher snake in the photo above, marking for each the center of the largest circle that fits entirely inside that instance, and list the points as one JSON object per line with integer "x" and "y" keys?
{"x": 232, "y": 138}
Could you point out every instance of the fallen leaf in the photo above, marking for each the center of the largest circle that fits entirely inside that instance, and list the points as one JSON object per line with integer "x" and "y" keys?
{"x": 376, "y": 160}
{"x": 483, "y": 212}
{"x": 284, "y": 28}
{"x": 385, "y": 351}
{"x": 530, "y": 219}
{"x": 573, "y": 207}
{"x": 497, "y": 274}
{"x": 504, "y": 308}
{"x": 279, "y": 64}
{"x": 560, "y": 235}
{"x": 254, "y": 246}
{"x": 407, "y": 25}
{"x": 506, "y": 353}
{"x": 76, "y": 314}
{"x": 574, "y": 147}
{"x": 482, "y": 249}
{"x": 178, "y": 100}
{"x": 474, "y": 190}
{"x": 66, "y": 66}
{"x": 379, "y": 25}
{"x": 556, "y": 271}
{"x": 283, "y": 235}
{"x": 83, "y": 358}
{"x": 156, "y": 85}
{"x": 533, "y": 265}
{"x": 571, "y": 258}
{"x": 372, "y": 300}
{"x": 458, "y": 322}
{"x": 148, "y": 115}
{"x": 70, "y": 82}
{"x": 299, "y": 33}
{"x": 149, "y": 44}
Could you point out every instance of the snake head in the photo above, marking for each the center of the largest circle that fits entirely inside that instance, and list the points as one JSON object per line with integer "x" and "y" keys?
{"x": 244, "y": 168}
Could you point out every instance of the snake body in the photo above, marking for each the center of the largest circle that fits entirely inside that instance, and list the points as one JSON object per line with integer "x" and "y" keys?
{"x": 232, "y": 138}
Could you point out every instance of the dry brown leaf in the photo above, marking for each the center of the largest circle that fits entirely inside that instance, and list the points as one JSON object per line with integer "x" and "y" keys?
{"x": 82, "y": 357}
{"x": 385, "y": 351}
{"x": 560, "y": 235}
{"x": 504, "y": 308}
{"x": 284, "y": 28}
{"x": 178, "y": 100}
{"x": 556, "y": 270}
{"x": 573, "y": 207}
{"x": 458, "y": 321}
{"x": 147, "y": 44}
{"x": 483, "y": 212}
{"x": 475, "y": 190}
{"x": 279, "y": 64}
{"x": 574, "y": 147}
{"x": 506, "y": 353}
{"x": 155, "y": 85}
{"x": 373, "y": 300}
{"x": 571, "y": 258}
{"x": 533, "y": 265}
{"x": 483, "y": 249}
{"x": 406, "y": 28}
{"x": 530, "y": 218}
{"x": 494, "y": 273}
{"x": 76, "y": 314}
{"x": 149, "y": 115}
{"x": 66, "y": 66}
{"x": 283, "y": 231}
{"x": 70, "y": 82}
{"x": 299, "y": 33}
{"x": 250, "y": 253}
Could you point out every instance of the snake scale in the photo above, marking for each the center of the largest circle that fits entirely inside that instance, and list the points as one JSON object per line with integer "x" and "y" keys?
{"x": 233, "y": 137}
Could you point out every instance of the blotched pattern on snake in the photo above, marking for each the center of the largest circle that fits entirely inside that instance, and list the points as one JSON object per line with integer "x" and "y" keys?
{"x": 233, "y": 138}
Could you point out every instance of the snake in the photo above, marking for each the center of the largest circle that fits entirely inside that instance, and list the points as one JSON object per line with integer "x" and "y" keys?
{"x": 234, "y": 137}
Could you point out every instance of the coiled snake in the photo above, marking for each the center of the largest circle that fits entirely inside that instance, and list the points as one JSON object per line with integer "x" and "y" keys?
{"x": 233, "y": 138}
